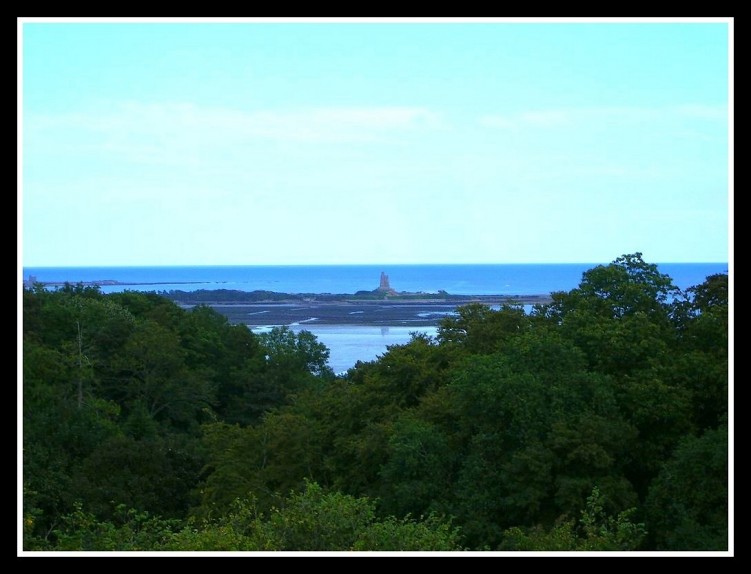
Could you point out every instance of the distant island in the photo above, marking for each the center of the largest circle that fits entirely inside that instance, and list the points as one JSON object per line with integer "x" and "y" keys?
{"x": 384, "y": 292}
{"x": 383, "y": 306}
{"x": 230, "y": 296}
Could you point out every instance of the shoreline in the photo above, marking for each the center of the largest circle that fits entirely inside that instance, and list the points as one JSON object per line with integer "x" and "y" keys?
{"x": 382, "y": 307}
{"x": 381, "y": 313}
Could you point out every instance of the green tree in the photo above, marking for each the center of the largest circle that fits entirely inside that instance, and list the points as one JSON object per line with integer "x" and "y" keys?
{"x": 84, "y": 326}
{"x": 350, "y": 422}
{"x": 128, "y": 530}
{"x": 701, "y": 357}
{"x": 687, "y": 505}
{"x": 314, "y": 519}
{"x": 149, "y": 305}
{"x": 152, "y": 372}
{"x": 429, "y": 534}
{"x": 594, "y": 531}
{"x": 151, "y": 474}
{"x": 283, "y": 364}
{"x": 277, "y": 455}
{"x": 536, "y": 442}
{"x": 623, "y": 319}
{"x": 419, "y": 468}
{"x": 406, "y": 373}
{"x": 233, "y": 462}
{"x": 57, "y": 433}
{"x": 619, "y": 315}
{"x": 299, "y": 352}
{"x": 479, "y": 329}
{"x": 627, "y": 286}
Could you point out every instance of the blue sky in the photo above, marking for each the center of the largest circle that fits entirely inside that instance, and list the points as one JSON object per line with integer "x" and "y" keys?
{"x": 280, "y": 142}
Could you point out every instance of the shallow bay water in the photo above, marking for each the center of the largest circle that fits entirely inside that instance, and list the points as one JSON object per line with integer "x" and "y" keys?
{"x": 351, "y": 342}
{"x": 348, "y": 344}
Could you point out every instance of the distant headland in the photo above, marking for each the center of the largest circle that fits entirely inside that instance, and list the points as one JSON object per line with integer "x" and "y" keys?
{"x": 384, "y": 292}
{"x": 32, "y": 280}
{"x": 382, "y": 306}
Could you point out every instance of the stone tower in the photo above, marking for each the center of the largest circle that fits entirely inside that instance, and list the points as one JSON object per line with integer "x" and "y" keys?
{"x": 384, "y": 286}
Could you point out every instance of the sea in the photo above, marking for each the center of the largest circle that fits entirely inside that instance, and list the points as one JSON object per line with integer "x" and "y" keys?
{"x": 348, "y": 344}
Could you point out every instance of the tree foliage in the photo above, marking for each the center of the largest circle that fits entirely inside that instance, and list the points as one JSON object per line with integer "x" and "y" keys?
{"x": 595, "y": 422}
{"x": 688, "y": 501}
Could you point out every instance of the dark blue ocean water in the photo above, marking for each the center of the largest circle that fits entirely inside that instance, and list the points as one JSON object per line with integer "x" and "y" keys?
{"x": 349, "y": 343}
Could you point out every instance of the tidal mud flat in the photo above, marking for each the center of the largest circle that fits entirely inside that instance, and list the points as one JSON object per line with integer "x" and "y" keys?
{"x": 376, "y": 313}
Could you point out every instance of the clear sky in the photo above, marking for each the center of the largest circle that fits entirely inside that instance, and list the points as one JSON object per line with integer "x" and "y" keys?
{"x": 256, "y": 142}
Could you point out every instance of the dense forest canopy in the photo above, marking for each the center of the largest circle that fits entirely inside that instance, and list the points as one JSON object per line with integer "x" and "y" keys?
{"x": 598, "y": 421}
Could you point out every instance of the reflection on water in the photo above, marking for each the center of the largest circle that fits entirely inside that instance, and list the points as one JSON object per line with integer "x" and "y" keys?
{"x": 348, "y": 344}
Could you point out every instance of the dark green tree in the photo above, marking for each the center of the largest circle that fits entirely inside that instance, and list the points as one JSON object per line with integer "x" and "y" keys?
{"x": 418, "y": 472}
{"x": 687, "y": 506}
{"x": 152, "y": 373}
{"x": 700, "y": 363}
{"x": 479, "y": 329}
{"x": 148, "y": 474}
{"x": 297, "y": 352}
